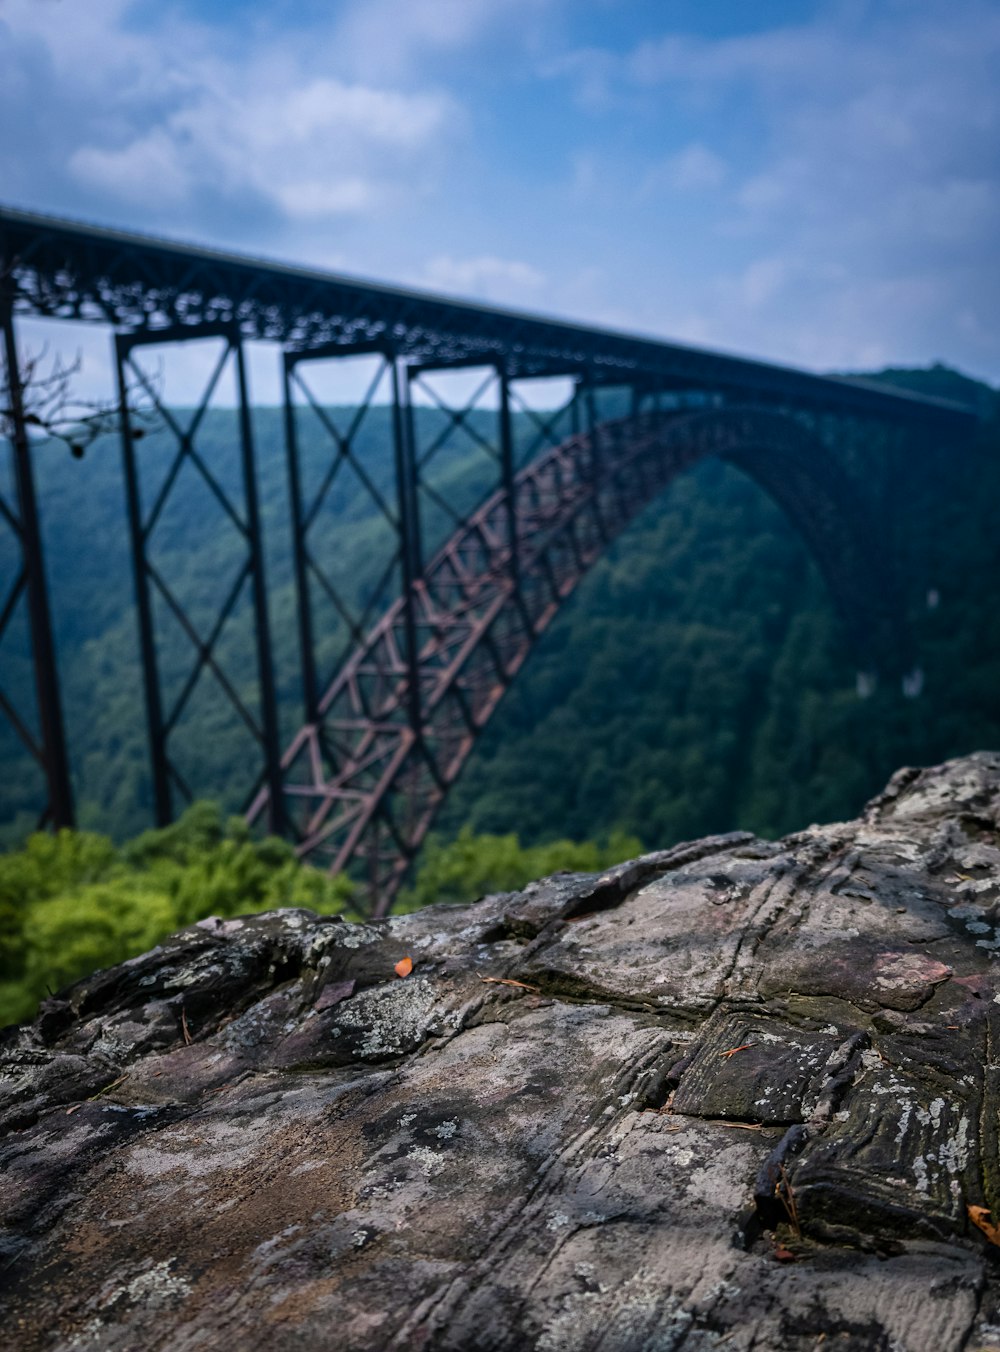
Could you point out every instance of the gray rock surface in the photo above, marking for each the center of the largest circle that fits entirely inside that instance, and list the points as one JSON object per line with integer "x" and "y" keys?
{"x": 742, "y": 1097}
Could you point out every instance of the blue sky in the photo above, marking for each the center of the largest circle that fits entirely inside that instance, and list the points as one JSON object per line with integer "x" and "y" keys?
{"x": 814, "y": 182}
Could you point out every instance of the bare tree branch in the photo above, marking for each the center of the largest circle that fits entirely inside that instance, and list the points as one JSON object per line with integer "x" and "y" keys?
{"x": 51, "y": 409}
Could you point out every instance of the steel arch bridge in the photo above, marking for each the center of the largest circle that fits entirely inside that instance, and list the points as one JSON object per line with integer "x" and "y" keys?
{"x": 465, "y": 587}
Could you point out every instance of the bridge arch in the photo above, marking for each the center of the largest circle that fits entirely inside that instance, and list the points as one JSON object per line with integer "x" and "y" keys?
{"x": 364, "y": 781}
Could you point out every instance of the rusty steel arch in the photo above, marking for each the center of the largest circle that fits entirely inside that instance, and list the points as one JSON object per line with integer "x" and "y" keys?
{"x": 363, "y": 782}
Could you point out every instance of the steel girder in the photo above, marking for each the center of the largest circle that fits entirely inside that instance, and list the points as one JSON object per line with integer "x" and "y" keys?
{"x": 202, "y": 632}
{"x": 47, "y": 746}
{"x": 364, "y": 780}
{"x": 66, "y": 269}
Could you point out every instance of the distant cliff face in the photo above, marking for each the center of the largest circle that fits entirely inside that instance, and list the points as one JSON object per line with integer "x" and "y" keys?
{"x": 736, "y": 1094}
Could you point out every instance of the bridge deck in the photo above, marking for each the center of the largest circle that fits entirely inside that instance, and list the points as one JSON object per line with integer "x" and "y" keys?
{"x": 386, "y": 735}
{"x": 71, "y": 270}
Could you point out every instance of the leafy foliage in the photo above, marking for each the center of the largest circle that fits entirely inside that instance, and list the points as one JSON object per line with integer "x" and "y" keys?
{"x": 74, "y": 902}
{"x": 471, "y": 866}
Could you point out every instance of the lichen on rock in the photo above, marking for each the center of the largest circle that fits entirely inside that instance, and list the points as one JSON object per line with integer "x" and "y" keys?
{"x": 738, "y": 1093}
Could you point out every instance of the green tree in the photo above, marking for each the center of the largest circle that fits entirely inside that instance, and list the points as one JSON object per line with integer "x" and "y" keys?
{"x": 472, "y": 866}
{"x": 74, "y": 902}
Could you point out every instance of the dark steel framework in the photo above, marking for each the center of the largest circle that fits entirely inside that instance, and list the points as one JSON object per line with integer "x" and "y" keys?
{"x": 366, "y": 774}
{"x": 464, "y": 589}
{"x": 47, "y": 745}
{"x": 150, "y": 581}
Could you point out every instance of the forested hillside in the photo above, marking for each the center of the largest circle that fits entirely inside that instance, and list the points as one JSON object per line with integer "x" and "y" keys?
{"x": 698, "y": 681}
{"x": 701, "y": 681}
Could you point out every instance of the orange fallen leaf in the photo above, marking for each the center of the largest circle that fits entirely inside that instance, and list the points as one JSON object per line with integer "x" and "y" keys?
{"x": 979, "y": 1216}
{"x": 509, "y": 981}
{"x": 733, "y": 1050}
{"x": 404, "y": 967}
{"x": 784, "y": 1255}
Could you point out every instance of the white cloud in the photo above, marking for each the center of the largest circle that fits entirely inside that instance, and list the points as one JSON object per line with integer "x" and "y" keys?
{"x": 161, "y": 119}
{"x": 322, "y": 148}
{"x": 773, "y": 54}
{"x": 384, "y": 117}
{"x": 861, "y": 118}
{"x": 762, "y": 281}
{"x": 500, "y": 280}
{"x": 149, "y": 166}
{"x": 318, "y": 199}
{"x": 694, "y": 169}
{"x": 592, "y": 72}
{"x": 85, "y": 43}
{"x": 867, "y": 207}
{"x": 393, "y": 39}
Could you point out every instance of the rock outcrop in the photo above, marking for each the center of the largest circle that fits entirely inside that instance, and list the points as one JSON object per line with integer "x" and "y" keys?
{"x": 736, "y": 1094}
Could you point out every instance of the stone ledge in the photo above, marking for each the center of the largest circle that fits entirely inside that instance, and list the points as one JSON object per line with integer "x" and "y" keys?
{"x": 736, "y": 1094}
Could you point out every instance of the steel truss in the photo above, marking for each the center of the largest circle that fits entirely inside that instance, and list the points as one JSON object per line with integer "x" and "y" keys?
{"x": 403, "y": 672}
{"x": 364, "y": 779}
{"x": 134, "y": 282}
{"x": 150, "y": 583}
{"x": 47, "y": 746}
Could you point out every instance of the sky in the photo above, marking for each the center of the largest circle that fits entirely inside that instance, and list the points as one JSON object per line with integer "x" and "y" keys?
{"x": 814, "y": 182}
